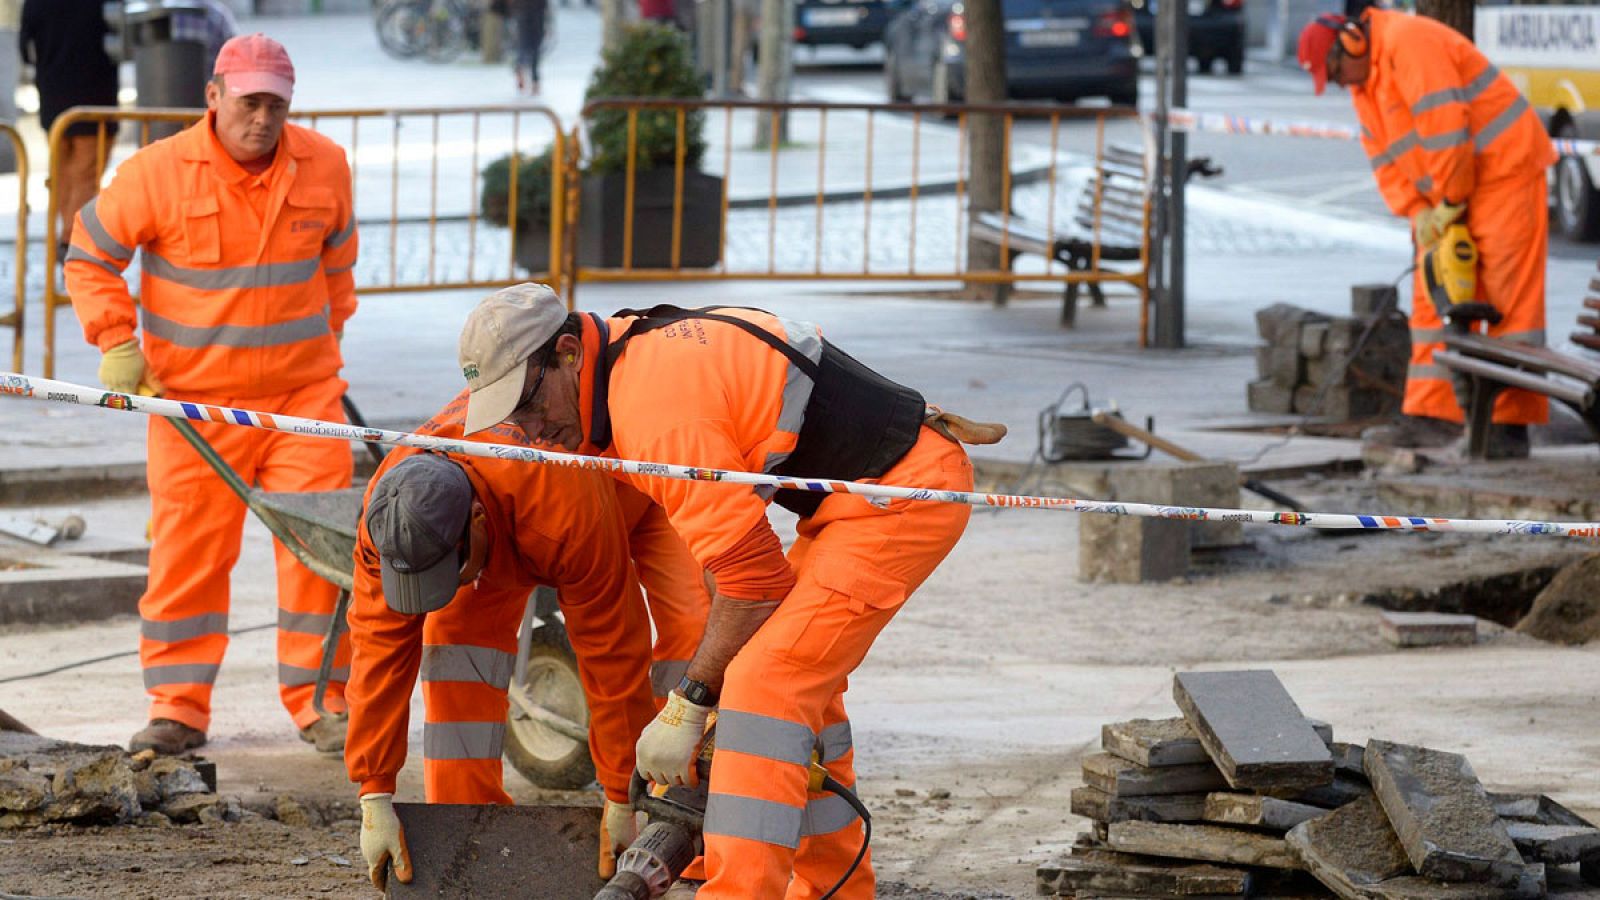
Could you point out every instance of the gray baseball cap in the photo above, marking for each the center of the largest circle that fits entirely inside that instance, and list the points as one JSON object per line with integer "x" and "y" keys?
{"x": 416, "y": 516}
{"x": 500, "y": 336}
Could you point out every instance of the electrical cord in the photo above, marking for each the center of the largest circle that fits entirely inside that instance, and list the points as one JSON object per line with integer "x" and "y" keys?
{"x": 849, "y": 796}
{"x": 109, "y": 656}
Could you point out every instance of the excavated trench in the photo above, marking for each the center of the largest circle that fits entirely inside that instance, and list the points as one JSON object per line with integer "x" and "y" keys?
{"x": 1504, "y": 598}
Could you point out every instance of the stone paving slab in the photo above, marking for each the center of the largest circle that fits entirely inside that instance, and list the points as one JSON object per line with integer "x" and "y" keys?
{"x": 1154, "y": 742}
{"x": 1074, "y": 873}
{"x": 1257, "y": 811}
{"x": 40, "y": 584}
{"x": 1212, "y": 843}
{"x": 1422, "y": 629}
{"x": 1092, "y": 803}
{"x": 1555, "y": 844}
{"x": 1350, "y": 848}
{"x": 1253, "y": 730}
{"x": 1121, "y": 778}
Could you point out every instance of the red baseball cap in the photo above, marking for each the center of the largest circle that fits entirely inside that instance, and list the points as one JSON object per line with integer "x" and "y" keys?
{"x": 1316, "y": 39}
{"x": 256, "y": 64}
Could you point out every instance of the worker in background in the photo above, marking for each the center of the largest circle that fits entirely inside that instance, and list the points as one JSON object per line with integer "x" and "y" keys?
{"x": 1450, "y": 139}
{"x": 247, "y": 237}
{"x": 745, "y": 390}
{"x": 448, "y": 551}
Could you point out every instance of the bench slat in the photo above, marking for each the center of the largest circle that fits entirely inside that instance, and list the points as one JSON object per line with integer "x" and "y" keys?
{"x": 1508, "y": 353}
{"x": 1582, "y": 398}
{"x": 1588, "y": 341}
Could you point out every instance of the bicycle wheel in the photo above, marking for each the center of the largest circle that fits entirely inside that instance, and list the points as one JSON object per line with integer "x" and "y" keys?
{"x": 447, "y": 31}
{"x": 402, "y": 27}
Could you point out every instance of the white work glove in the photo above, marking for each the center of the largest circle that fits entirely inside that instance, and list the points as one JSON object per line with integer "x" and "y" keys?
{"x": 618, "y": 828}
{"x": 1428, "y": 225}
{"x": 668, "y": 745}
{"x": 383, "y": 841}
{"x": 122, "y": 369}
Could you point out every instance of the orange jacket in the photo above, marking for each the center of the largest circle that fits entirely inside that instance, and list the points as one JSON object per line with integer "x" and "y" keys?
{"x": 1438, "y": 119}
{"x": 547, "y": 525}
{"x": 245, "y": 279}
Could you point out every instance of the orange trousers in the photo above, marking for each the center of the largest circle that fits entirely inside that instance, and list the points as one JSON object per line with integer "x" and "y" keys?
{"x": 1508, "y": 222}
{"x": 196, "y": 524}
{"x": 857, "y": 562}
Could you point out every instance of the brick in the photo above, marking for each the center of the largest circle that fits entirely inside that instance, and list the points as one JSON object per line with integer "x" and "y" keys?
{"x": 1341, "y": 403}
{"x": 1285, "y": 366}
{"x": 1155, "y": 878}
{"x": 1184, "y": 484}
{"x": 1263, "y": 396}
{"x": 1212, "y": 843}
{"x": 1351, "y": 847}
{"x": 460, "y": 850}
{"x": 1442, "y": 814}
{"x": 1257, "y": 811}
{"x": 1129, "y": 550}
{"x": 1554, "y": 844}
{"x": 1154, "y": 742}
{"x": 1253, "y": 730}
{"x": 1426, "y": 629}
{"x": 1313, "y": 335}
{"x": 1121, "y": 778}
{"x": 1367, "y": 299}
{"x": 1263, "y": 359}
{"x": 1280, "y": 319}
{"x": 1093, "y": 803}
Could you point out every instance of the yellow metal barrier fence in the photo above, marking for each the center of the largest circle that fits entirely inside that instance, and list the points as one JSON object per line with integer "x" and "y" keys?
{"x": 14, "y": 318}
{"x": 419, "y": 201}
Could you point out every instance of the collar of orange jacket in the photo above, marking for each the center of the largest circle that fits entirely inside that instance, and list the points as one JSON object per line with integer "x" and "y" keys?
{"x": 201, "y": 145}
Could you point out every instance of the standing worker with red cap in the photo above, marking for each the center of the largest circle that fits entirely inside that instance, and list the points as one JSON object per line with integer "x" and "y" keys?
{"x": 248, "y": 239}
{"x": 1450, "y": 139}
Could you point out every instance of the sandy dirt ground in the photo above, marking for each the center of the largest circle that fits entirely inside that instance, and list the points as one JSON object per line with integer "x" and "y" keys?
{"x": 970, "y": 715}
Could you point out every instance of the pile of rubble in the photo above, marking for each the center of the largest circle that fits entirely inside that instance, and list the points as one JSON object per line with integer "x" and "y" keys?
{"x": 1305, "y": 365}
{"x": 1245, "y": 797}
{"x": 45, "y": 781}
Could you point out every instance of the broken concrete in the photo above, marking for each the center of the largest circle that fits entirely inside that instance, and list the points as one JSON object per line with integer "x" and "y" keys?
{"x": 1212, "y": 843}
{"x": 1442, "y": 815}
{"x": 1253, "y": 730}
{"x": 1070, "y": 874}
{"x": 460, "y": 850}
{"x": 1257, "y": 811}
{"x": 1342, "y": 790}
{"x": 1092, "y": 803}
{"x": 1423, "y": 629}
{"x": 1120, "y": 778}
{"x": 1347, "y": 759}
{"x": 44, "y": 781}
{"x": 1554, "y": 844}
{"x": 1350, "y": 848}
{"x": 1154, "y": 742}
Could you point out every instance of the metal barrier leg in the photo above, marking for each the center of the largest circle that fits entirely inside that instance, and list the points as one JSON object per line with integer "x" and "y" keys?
{"x": 330, "y": 645}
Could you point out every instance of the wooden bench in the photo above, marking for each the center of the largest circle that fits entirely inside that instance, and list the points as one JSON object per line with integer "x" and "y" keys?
{"x": 1488, "y": 366}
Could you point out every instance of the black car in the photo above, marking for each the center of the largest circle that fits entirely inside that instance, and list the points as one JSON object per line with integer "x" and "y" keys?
{"x": 1216, "y": 31}
{"x": 1058, "y": 49}
{"x": 855, "y": 23}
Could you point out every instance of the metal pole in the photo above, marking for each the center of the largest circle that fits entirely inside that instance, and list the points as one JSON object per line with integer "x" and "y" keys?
{"x": 1174, "y": 51}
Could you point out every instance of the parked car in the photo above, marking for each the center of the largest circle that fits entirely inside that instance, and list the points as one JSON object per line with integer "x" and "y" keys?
{"x": 855, "y": 23}
{"x": 1059, "y": 49}
{"x": 1216, "y": 31}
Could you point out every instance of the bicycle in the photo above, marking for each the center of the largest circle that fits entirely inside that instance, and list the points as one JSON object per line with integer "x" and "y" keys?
{"x": 440, "y": 30}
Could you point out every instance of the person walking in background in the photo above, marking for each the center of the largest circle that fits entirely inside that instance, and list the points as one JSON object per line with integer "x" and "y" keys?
{"x": 530, "y": 40}
{"x": 211, "y": 26}
{"x": 64, "y": 40}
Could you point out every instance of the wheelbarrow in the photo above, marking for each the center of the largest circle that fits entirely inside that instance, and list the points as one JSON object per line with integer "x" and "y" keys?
{"x": 547, "y": 734}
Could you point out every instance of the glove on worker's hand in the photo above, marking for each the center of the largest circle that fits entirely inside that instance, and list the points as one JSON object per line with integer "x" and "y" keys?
{"x": 122, "y": 369}
{"x": 1428, "y": 225}
{"x": 618, "y": 828}
{"x": 668, "y": 745}
{"x": 383, "y": 841}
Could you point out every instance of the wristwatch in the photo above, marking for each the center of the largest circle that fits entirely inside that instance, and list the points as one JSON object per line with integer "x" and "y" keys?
{"x": 697, "y": 692}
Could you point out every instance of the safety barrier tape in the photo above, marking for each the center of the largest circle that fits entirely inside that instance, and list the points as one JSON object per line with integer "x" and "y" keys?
{"x": 1225, "y": 123}
{"x": 64, "y": 392}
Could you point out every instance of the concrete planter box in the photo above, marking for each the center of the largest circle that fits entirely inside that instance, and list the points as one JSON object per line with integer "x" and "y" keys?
{"x": 603, "y": 205}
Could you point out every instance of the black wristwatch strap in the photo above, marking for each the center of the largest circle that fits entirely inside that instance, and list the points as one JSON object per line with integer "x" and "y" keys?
{"x": 697, "y": 692}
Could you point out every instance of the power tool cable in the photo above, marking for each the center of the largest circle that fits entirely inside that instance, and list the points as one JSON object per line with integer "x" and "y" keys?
{"x": 849, "y": 796}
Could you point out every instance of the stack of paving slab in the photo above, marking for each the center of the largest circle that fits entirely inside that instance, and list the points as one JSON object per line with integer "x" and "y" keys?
{"x": 1243, "y": 796}
{"x": 1306, "y": 366}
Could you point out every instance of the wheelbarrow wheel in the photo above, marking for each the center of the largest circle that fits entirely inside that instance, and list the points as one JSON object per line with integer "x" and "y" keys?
{"x": 545, "y": 756}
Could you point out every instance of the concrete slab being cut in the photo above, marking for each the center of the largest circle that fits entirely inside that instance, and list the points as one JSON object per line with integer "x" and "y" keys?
{"x": 1092, "y": 803}
{"x": 1120, "y": 778}
{"x": 1212, "y": 843}
{"x": 1427, "y": 629}
{"x": 500, "y": 851}
{"x": 1253, "y": 730}
{"x": 1070, "y": 874}
{"x": 1257, "y": 811}
{"x": 1442, "y": 815}
{"x": 1555, "y": 844}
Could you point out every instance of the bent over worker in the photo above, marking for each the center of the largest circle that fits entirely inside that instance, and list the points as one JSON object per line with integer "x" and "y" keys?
{"x": 745, "y": 390}
{"x": 447, "y": 553}
{"x": 1450, "y": 139}
{"x": 247, "y": 237}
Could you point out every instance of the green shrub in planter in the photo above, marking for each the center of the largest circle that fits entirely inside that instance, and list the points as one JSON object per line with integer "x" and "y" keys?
{"x": 651, "y": 60}
{"x": 533, "y": 190}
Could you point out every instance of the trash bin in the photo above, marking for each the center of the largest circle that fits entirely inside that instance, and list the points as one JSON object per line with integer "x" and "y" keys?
{"x": 169, "y": 72}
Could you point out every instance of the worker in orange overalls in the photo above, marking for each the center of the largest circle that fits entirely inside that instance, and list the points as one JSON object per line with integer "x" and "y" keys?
{"x": 1449, "y": 137}
{"x": 742, "y": 389}
{"x": 248, "y": 240}
{"x": 426, "y": 600}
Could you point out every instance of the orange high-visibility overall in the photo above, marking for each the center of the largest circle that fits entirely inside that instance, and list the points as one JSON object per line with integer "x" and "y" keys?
{"x": 704, "y": 393}
{"x": 1439, "y": 122}
{"x": 565, "y": 527}
{"x": 245, "y": 281}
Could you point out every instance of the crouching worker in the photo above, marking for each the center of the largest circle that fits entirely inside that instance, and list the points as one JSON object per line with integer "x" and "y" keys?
{"x": 449, "y": 549}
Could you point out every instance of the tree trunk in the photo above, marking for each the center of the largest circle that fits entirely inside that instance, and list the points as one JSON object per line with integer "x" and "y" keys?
{"x": 776, "y": 48}
{"x": 1455, "y": 13}
{"x": 611, "y": 22}
{"x": 986, "y": 83}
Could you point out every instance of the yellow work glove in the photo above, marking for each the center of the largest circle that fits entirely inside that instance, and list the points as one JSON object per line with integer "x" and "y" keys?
{"x": 383, "y": 841}
{"x": 618, "y": 828}
{"x": 1430, "y": 223}
{"x": 122, "y": 370}
{"x": 669, "y": 744}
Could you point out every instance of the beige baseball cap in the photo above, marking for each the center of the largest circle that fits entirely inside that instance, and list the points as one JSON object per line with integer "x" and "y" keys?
{"x": 500, "y": 336}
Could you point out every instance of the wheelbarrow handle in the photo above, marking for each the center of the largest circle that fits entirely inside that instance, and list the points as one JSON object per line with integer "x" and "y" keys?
{"x": 360, "y": 421}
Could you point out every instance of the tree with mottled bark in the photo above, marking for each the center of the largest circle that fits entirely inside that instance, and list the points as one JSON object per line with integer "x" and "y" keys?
{"x": 774, "y": 69}
{"x": 985, "y": 83}
{"x": 1455, "y": 13}
{"x": 611, "y": 22}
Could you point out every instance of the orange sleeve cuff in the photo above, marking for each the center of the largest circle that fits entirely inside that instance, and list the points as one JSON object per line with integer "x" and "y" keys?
{"x": 754, "y": 568}
{"x": 113, "y": 336}
{"x": 377, "y": 784}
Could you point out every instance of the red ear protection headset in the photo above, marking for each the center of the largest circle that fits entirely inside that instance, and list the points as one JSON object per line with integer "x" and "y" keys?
{"x": 1352, "y": 37}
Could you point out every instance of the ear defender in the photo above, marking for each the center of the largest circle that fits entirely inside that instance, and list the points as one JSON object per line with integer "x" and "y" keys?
{"x": 1353, "y": 40}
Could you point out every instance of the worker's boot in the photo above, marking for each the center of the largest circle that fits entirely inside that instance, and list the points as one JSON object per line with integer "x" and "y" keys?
{"x": 326, "y": 734}
{"x": 166, "y": 737}
{"x": 682, "y": 889}
{"x": 1507, "y": 442}
{"x": 1413, "y": 432}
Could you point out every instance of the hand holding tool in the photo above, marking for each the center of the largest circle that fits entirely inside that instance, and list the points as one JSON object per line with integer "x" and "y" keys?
{"x": 669, "y": 744}
{"x": 122, "y": 369}
{"x": 1428, "y": 225}
{"x": 618, "y": 828}
{"x": 383, "y": 841}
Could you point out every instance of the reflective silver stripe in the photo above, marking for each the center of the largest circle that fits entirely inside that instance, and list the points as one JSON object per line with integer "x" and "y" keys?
{"x": 202, "y": 336}
{"x": 1427, "y": 335}
{"x": 185, "y": 629}
{"x": 665, "y": 675}
{"x": 463, "y": 740}
{"x": 834, "y": 741}
{"x": 339, "y": 239}
{"x": 804, "y": 337}
{"x": 1534, "y": 337}
{"x": 102, "y": 238}
{"x": 304, "y": 623}
{"x": 464, "y": 662}
{"x": 765, "y": 736}
{"x": 76, "y": 254}
{"x": 1437, "y": 99}
{"x": 266, "y": 275}
{"x": 340, "y": 270}
{"x": 1480, "y": 84}
{"x": 756, "y": 820}
{"x": 1425, "y": 371}
{"x": 825, "y": 815}
{"x": 1425, "y": 184}
{"x": 1500, "y": 123}
{"x": 295, "y": 676}
{"x": 1365, "y": 134}
{"x": 1446, "y": 140}
{"x": 1395, "y": 150}
{"x": 190, "y": 673}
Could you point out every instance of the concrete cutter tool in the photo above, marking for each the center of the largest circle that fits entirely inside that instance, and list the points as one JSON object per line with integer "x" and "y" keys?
{"x": 673, "y": 839}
